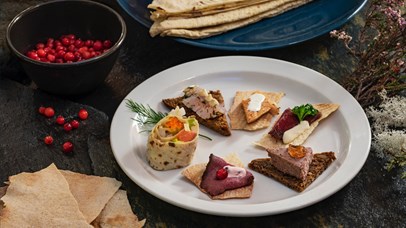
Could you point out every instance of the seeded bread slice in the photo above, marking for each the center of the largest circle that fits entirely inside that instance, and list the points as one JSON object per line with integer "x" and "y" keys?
{"x": 218, "y": 124}
{"x": 320, "y": 162}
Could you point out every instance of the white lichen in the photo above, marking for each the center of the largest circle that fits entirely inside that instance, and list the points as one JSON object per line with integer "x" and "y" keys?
{"x": 388, "y": 122}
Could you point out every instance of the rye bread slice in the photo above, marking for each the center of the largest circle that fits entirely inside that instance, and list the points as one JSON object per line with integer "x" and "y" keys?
{"x": 218, "y": 124}
{"x": 319, "y": 163}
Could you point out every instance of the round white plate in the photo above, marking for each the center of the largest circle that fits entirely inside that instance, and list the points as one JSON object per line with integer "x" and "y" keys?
{"x": 346, "y": 132}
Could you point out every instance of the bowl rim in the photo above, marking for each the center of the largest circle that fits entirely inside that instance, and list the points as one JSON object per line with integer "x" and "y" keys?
{"x": 63, "y": 65}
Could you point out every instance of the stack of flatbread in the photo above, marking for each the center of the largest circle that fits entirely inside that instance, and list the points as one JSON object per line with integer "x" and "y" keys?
{"x": 58, "y": 198}
{"x": 196, "y": 19}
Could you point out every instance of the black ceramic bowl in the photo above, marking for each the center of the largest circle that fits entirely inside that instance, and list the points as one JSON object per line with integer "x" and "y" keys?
{"x": 85, "y": 19}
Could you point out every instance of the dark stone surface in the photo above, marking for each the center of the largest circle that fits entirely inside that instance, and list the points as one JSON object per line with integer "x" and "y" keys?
{"x": 374, "y": 198}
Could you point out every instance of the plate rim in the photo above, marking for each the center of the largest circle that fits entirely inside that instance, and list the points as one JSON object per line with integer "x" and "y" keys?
{"x": 251, "y": 210}
{"x": 197, "y": 43}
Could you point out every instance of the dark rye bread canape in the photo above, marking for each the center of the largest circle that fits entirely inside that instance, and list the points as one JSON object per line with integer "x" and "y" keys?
{"x": 320, "y": 162}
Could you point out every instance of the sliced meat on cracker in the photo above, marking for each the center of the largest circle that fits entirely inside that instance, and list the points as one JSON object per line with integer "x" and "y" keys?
{"x": 118, "y": 213}
{"x": 267, "y": 141}
{"x": 218, "y": 124}
{"x": 320, "y": 162}
{"x": 195, "y": 172}
{"x": 91, "y": 192}
{"x": 237, "y": 114}
{"x": 40, "y": 199}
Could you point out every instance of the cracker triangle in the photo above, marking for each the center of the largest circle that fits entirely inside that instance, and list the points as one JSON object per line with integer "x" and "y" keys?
{"x": 194, "y": 174}
{"x": 237, "y": 115}
{"x": 267, "y": 141}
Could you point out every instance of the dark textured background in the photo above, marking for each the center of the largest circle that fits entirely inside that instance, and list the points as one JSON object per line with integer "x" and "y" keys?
{"x": 375, "y": 198}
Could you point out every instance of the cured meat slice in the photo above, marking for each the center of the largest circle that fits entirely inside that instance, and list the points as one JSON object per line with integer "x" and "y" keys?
{"x": 214, "y": 186}
{"x": 287, "y": 121}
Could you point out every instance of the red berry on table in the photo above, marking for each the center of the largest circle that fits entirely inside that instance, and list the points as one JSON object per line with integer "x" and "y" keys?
{"x": 48, "y": 140}
{"x": 67, "y": 147}
{"x": 83, "y": 114}
{"x": 221, "y": 174}
{"x": 41, "y": 110}
{"x": 49, "y": 112}
{"x": 60, "y": 120}
{"x": 75, "y": 124}
{"x": 67, "y": 127}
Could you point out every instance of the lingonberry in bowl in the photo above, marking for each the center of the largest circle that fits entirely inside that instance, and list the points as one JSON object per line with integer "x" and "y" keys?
{"x": 67, "y": 47}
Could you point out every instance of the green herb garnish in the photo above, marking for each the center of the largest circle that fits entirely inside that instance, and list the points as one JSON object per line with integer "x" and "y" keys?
{"x": 304, "y": 110}
{"x": 146, "y": 115}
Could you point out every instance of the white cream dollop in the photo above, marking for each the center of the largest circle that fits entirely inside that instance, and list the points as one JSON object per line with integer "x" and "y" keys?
{"x": 295, "y": 131}
{"x": 235, "y": 171}
{"x": 255, "y": 103}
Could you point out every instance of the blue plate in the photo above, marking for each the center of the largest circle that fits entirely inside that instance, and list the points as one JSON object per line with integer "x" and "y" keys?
{"x": 292, "y": 27}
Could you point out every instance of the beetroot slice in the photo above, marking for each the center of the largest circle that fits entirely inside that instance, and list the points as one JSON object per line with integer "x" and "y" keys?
{"x": 213, "y": 186}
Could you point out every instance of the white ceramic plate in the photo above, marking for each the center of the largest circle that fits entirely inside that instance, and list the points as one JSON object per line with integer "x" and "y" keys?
{"x": 345, "y": 132}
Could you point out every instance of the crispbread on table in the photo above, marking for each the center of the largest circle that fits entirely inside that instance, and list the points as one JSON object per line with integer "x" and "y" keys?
{"x": 320, "y": 162}
{"x": 218, "y": 124}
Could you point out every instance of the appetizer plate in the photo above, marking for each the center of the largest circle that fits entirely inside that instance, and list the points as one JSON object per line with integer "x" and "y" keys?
{"x": 346, "y": 132}
{"x": 303, "y": 23}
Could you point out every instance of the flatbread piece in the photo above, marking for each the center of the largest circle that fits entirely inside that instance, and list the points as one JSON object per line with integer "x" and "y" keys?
{"x": 40, "y": 199}
{"x": 118, "y": 213}
{"x": 91, "y": 192}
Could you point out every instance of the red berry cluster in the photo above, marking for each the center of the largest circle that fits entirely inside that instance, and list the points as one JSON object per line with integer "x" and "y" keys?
{"x": 49, "y": 112}
{"x": 68, "y": 49}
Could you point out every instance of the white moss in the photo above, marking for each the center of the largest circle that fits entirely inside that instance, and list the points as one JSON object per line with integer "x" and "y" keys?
{"x": 391, "y": 113}
{"x": 388, "y": 123}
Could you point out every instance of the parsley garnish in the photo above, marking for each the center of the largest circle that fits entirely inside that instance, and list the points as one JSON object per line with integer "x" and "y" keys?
{"x": 304, "y": 110}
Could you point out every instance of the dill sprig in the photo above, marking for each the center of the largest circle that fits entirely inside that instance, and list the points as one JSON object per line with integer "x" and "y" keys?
{"x": 146, "y": 115}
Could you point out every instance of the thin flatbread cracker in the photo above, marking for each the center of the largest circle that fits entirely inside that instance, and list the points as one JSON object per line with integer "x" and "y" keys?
{"x": 195, "y": 172}
{"x": 203, "y": 32}
{"x": 118, "y": 213}
{"x": 91, "y": 192}
{"x": 266, "y": 106}
{"x": 237, "y": 114}
{"x": 40, "y": 199}
{"x": 240, "y": 14}
{"x": 267, "y": 141}
{"x": 177, "y": 7}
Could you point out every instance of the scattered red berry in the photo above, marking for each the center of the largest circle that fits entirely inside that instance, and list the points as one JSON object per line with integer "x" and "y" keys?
{"x": 60, "y": 120}
{"x": 49, "y": 112}
{"x": 41, "y": 110}
{"x": 83, "y": 114}
{"x": 221, "y": 174}
{"x": 67, "y": 147}
{"x": 75, "y": 124}
{"x": 48, "y": 140}
{"x": 72, "y": 49}
{"x": 67, "y": 127}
